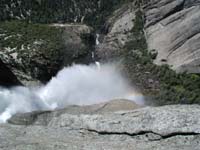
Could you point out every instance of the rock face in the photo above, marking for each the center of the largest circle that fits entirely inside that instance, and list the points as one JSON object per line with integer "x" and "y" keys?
{"x": 172, "y": 29}
{"x": 118, "y": 28}
{"x": 170, "y": 127}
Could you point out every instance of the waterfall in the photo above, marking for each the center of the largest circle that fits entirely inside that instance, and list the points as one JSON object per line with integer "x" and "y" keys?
{"x": 97, "y": 39}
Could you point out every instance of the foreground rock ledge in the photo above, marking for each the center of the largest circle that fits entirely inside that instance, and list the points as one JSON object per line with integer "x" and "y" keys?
{"x": 175, "y": 127}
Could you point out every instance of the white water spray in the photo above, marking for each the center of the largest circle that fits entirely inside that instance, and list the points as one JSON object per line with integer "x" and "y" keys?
{"x": 75, "y": 85}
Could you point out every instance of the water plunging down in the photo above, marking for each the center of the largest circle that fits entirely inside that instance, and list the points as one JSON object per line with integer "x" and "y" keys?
{"x": 75, "y": 85}
{"x": 97, "y": 39}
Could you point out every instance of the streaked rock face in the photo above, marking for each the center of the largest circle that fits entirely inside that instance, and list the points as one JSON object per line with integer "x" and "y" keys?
{"x": 170, "y": 127}
{"x": 173, "y": 29}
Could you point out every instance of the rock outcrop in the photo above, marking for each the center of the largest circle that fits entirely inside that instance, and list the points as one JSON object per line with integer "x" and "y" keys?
{"x": 172, "y": 127}
{"x": 79, "y": 43}
{"x": 41, "y": 117}
{"x": 37, "y": 52}
{"x": 172, "y": 29}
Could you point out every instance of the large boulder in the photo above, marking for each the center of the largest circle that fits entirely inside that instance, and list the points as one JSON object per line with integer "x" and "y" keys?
{"x": 172, "y": 29}
{"x": 172, "y": 127}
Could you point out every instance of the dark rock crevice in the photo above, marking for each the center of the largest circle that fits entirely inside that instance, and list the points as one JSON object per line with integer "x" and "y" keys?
{"x": 175, "y": 10}
{"x": 179, "y": 134}
{"x": 145, "y": 133}
{"x": 7, "y": 78}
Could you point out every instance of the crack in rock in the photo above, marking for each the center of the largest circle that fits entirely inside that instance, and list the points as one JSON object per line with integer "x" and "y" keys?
{"x": 152, "y": 136}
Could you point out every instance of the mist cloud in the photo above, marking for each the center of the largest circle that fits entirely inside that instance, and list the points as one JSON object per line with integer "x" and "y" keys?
{"x": 75, "y": 85}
